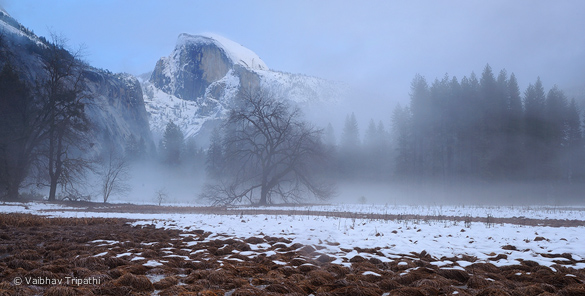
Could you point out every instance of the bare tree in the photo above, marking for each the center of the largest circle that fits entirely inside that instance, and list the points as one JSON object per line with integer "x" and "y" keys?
{"x": 61, "y": 93}
{"x": 43, "y": 122}
{"x": 114, "y": 174}
{"x": 161, "y": 196}
{"x": 269, "y": 153}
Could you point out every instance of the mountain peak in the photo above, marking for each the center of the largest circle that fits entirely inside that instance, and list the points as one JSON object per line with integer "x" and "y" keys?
{"x": 237, "y": 53}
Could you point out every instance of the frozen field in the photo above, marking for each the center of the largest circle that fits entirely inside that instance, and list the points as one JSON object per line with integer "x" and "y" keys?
{"x": 394, "y": 239}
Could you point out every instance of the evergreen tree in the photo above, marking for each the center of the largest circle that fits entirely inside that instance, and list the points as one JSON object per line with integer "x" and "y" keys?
{"x": 467, "y": 134}
{"x": 371, "y": 136}
{"x": 214, "y": 160}
{"x": 329, "y": 138}
{"x": 402, "y": 137}
{"x": 513, "y": 130}
{"x": 350, "y": 163}
{"x": 172, "y": 144}
{"x": 421, "y": 111}
{"x": 376, "y": 151}
{"x": 556, "y": 131}
{"x": 575, "y": 156}
{"x": 535, "y": 129}
{"x": 350, "y": 138}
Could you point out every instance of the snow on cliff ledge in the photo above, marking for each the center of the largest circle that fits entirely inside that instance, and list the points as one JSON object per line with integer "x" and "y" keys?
{"x": 237, "y": 53}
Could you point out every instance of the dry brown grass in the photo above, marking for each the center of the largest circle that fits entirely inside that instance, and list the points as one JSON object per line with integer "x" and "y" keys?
{"x": 43, "y": 247}
{"x": 137, "y": 282}
{"x": 60, "y": 291}
{"x": 166, "y": 282}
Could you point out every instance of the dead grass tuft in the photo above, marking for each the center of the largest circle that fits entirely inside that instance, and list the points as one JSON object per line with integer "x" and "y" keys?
{"x": 493, "y": 292}
{"x": 218, "y": 277}
{"x": 337, "y": 270}
{"x": 573, "y": 290}
{"x": 484, "y": 267}
{"x": 29, "y": 220}
{"x": 415, "y": 275}
{"x": 29, "y": 265}
{"x": 60, "y": 291}
{"x": 41, "y": 273}
{"x": 408, "y": 291}
{"x": 436, "y": 283}
{"x": 175, "y": 290}
{"x": 166, "y": 282}
{"x": 320, "y": 277}
{"x": 28, "y": 255}
{"x": 93, "y": 263}
{"x": 137, "y": 282}
{"x": 388, "y": 284}
{"x": 113, "y": 262}
{"x": 254, "y": 240}
{"x": 277, "y": 288}
{"x": 205, "y": 293}
{"x": 248, "y": 291}
{"x": 356, "y": 291}
{"x": 477, "y": 282}
{"x": 196, "y": 275}
{"x": 454, "y": 274}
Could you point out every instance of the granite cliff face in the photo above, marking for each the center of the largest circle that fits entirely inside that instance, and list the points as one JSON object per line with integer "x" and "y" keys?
{"x": 198, "y": 82}
{"x": 191, "y": 68}
{"x": 118, "y": 109}
{"x": 114, "y": 104}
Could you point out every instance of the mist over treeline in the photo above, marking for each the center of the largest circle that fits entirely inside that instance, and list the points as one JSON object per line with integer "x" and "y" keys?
{"x": 477, "y": 130}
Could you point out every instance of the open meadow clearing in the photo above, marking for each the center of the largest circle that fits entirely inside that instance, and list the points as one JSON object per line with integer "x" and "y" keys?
{"x": 96, "y": 249}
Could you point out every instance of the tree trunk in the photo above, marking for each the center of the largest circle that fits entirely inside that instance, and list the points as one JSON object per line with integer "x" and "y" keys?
{"x": 12, "y": 194}
{"x": 55, "y": 166}
{"x": 263, "y": 196}
{"x": 52, "y": 190}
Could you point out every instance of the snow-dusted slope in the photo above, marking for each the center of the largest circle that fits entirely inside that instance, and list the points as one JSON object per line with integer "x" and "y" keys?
{"x": 163, "y": 107}
{"x": 202, "y": 77}
{"x": 9, "y": 25}
{"x": 237, "y": 53}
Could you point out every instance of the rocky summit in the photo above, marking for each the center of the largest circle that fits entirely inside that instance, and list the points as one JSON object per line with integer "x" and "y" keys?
{"x": 195, "y": 85}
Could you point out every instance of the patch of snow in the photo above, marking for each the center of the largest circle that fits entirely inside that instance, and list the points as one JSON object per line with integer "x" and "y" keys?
{"x": 152, "y": 263}
{"x": 237, "y": 53}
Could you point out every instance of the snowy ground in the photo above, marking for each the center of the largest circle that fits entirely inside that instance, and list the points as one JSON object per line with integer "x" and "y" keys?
{"x": 339, "y": 237}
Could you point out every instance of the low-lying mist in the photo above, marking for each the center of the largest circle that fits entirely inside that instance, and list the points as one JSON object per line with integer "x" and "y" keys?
{"x": 459, "y": 193}
{"x": 182, "y": 185}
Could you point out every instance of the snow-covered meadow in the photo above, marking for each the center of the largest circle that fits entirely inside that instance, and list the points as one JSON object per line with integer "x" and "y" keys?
{"x": 450, "y": 243}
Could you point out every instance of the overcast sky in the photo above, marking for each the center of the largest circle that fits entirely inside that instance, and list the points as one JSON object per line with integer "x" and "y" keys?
{"x": 376, "y": 45}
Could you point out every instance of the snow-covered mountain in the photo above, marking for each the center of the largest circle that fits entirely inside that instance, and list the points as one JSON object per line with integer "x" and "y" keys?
{"x": 197, "y": 83}
{"x": 115, "y": 103}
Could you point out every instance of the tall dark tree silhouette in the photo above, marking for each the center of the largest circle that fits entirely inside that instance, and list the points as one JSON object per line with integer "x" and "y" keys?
{"x": 19, "y": 134}
{"x": 535, "y": 126}
{"x": 172, "y": 144}
{"x": 62, "y": 95}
